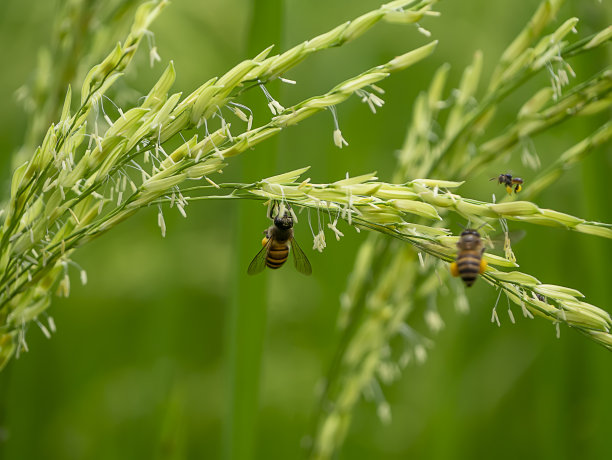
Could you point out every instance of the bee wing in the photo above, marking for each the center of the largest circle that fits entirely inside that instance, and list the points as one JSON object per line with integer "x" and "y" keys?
{"x": 299, "y": 259}
{"x": 259, "y": 261}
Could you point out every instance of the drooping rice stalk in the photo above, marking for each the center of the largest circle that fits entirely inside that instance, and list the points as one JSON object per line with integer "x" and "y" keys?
{"x": 378, "y": 304}
{"x": 83, "y": 179}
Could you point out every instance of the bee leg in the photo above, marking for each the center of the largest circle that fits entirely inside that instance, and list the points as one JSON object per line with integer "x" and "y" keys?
{"x": 454, "y": 269}
{"x": 518, "y": 188}
{"x": 509, "y": 189}
{"x": 264, "y": 241}
{"x": 483, "y": 266}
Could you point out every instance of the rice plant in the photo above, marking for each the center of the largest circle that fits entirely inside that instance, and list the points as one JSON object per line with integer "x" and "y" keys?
{"x": 100, "y": 160}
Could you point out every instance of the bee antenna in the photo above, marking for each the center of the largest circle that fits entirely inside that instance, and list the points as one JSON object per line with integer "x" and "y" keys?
{"x": 483, "y": 224}
{"x": 460, "y": 225}
{"x": 493, "y": 178}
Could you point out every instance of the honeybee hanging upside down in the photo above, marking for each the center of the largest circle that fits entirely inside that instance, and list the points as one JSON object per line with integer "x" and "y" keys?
{"x": 509, "y": 181}
{"x": 277, "y": 243}
{"x": 469, "y": 262}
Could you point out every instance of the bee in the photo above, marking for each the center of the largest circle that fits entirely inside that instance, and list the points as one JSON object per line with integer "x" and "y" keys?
{"x": 540, "y": 297}
{"x": 277, "y": 243}
{"x": 469, "y": 262}
{"x": 510, "y": 181}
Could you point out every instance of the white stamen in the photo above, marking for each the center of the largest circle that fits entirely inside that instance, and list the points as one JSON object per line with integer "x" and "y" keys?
{"x": 161, "y": 222}
{"x": 22, "y": 342}
{"x": 51, "y": 323}
{"x": 511, "y": 315}
{"x": 383, "y": 410}
{"x": 319, "y": 241}
{"x": 273, "y": 104}
{"x": 338, "y": 139}
{"x": 293, "y": 215}
{"x": 526, "y": 313}
{"x": 179, "y": 206}
{"x": 240, "y": 114}
{"x": 423, "y": 31}
{"x": 434, "y": 320}
{"x": 495, "y": 318}
{"x": 420, "y": 353}
{"x": 154, "y": 56}
{"x": 378, "y": 102}
{"x": 421, "y": 261}
{"x": 337, "y": 232}
{"x": 44, "y": 330}
{"x": 74, "y": 216}
{"x": 211, "y": 182}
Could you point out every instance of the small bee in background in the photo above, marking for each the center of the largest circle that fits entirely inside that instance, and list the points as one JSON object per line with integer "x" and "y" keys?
{"x": 277, "y": 243}
{"x": 540, "y": 297}
{"x": 509, "y": 181}
{"x": 469, "y": 262}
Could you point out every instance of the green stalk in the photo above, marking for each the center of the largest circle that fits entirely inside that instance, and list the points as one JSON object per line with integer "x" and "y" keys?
{"x": 246, "y": 324}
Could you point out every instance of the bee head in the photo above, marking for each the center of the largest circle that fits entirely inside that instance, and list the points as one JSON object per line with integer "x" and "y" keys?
{"x": 469, "y": 239}
{"x": 470, "y": 231}
{"x": 285, "y": 222}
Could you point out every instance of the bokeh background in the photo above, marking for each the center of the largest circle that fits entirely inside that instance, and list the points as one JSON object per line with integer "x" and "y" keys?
{"x": 139, "y": 365}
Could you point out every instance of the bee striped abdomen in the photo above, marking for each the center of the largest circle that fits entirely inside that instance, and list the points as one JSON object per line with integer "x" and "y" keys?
{"x": 468, "y": 265}
{"x": 277, "y": 254}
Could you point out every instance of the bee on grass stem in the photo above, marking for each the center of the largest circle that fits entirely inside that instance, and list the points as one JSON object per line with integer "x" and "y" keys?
{"x": 509, "y": 181}
{"x": 469, "y": 262}
{"x": 277, "y": 243}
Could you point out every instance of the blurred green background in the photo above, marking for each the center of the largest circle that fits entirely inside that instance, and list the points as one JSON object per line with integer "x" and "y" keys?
{"x": 139, "y": 365}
